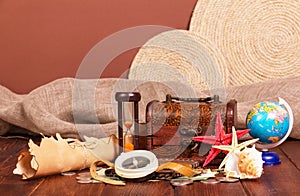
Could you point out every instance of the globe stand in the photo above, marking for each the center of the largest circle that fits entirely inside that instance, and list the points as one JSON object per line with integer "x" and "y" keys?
{"x": 272, "y": 158}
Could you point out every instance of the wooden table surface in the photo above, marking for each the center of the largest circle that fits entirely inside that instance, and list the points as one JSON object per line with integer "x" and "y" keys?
{"x": 283, "y": 179}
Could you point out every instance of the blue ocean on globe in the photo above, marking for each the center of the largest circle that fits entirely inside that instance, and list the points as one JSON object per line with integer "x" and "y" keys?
{"x": 268, "y": 121}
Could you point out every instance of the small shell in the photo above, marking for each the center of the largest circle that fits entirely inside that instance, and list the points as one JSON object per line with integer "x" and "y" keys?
{"x": 231, "y": 166}
{"x": 250, "y": 163}
{"x": 245, "y": 164}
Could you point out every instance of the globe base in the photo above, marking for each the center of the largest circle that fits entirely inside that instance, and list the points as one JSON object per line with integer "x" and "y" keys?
{"x": 270, "y": 158}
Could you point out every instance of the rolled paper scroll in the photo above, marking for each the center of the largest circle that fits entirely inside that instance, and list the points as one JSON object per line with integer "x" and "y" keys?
{"x": 54, "y": 156}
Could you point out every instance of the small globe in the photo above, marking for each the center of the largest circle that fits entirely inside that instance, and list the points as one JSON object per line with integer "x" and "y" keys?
{"x": 268, "y": 121}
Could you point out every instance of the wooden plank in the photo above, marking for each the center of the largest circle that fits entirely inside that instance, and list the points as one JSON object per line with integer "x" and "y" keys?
{"x": 144, "y": 188}
{"x": 11, "y": 146}
{"x": 67, "y": 185}
{"x": 199, "y": 188}
{"x": 291, "y": 148}
{"x": 11, "y": 184}
{"x": 280, "y": 179}
{"x": 276, "y": 180}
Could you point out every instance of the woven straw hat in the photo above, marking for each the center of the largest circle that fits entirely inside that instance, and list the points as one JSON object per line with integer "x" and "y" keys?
{"x": 182, "y": 56}
{"x": 260, "y": 40}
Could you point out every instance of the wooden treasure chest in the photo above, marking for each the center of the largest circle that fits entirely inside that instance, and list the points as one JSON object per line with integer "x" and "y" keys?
{"x": 172, "y": 123}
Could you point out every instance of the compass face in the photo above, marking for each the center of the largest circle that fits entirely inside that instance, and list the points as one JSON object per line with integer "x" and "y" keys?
{"x": 135, "y": 162}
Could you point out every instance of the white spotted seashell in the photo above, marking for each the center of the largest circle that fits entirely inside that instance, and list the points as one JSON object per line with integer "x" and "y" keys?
{"x": 250, "y": 163}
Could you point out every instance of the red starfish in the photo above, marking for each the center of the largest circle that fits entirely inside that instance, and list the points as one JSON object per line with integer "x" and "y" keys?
{"x": 219, "y": 139}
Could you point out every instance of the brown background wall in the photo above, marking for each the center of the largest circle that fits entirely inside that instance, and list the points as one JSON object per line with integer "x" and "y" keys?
{"x": 41, "y": 41}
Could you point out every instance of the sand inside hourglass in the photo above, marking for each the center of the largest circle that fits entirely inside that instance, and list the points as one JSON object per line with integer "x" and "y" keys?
{"x": 128, "y": 137}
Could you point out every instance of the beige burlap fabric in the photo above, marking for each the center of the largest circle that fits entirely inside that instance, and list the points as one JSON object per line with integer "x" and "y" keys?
{"x": 52, "y": 109}
{"x": 248, "y": 95}
{"x": 75, "y": 107}
{"x": 47, "y": 110}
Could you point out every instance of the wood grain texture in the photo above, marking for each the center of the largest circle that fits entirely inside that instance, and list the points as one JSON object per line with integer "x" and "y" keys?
{"x": 67, "y": 185}
{"x": 292, "y": 150}
{"x": 199, "y": 188}
{"x": 283, "y": 179}
{"x": 145, "y": 188}
{"x": 11, "y": 184}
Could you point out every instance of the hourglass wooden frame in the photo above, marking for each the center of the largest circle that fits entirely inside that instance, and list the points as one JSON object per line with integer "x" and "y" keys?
{"x": 122, "y": 97}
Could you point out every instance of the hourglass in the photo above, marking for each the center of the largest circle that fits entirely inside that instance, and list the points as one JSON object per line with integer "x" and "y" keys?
{"x": 128, "y": 120}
